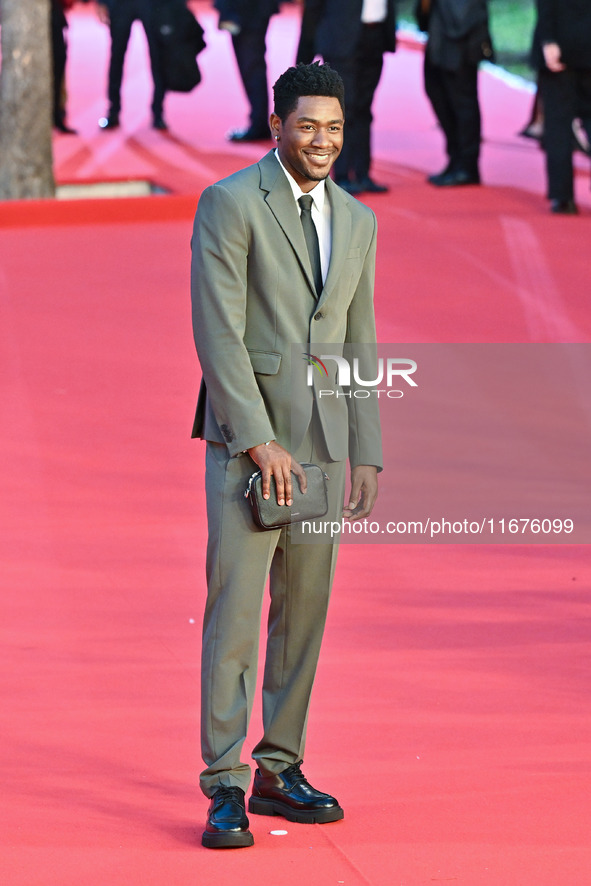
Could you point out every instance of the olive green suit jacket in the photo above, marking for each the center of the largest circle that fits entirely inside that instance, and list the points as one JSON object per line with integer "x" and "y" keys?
{"x": 253, "y": 299}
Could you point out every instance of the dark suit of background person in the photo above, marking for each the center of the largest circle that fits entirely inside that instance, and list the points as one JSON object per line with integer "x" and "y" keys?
{"x": 121, "y": 16}
{"x": 356, "y": 50}
{"x": 311, "y": 12}
{"x": 253, "y": 297}
{"x": 563, "y": 57}
{"x": 458, "y": 41}
{"x": 247, "y": 21}
{"x": 59, "y": 52}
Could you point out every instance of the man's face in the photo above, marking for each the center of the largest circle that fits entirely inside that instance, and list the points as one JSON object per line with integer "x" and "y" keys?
{"x": 310, "y": 138}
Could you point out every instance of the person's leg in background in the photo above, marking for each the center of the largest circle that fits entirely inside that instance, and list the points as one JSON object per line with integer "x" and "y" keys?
{"x": 464, "y": 91}
{"x": 582, "y": 122}
{"x": 122, "y": 15}
{"x": 370, "y": 61}
{"x": 149, "y": 23}
{"x": 559, "y": 94}
{"x": 360, "y": 74}
{"x": 59, "y": 50}
{"x": 454, "y": 98}
{"x": 250, "y": 48}
{"x": 438, "y": 94}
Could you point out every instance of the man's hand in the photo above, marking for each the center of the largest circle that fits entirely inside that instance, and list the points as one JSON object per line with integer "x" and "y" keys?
{"x": 553, "y": 57}
{"x": 275, "y": 461}
{"x": 364, "y": 491}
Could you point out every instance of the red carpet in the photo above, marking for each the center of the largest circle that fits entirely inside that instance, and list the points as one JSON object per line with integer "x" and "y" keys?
{"x": 452, "y": 710}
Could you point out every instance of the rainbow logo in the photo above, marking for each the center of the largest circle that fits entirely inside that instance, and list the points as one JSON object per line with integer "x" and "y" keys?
{"x": 311, "y": 360}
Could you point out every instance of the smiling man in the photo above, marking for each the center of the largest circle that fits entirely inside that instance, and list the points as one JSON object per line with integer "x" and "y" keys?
{"x": 281, "y": 256}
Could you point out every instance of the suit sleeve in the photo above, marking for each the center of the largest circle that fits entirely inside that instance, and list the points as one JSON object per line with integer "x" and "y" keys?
{"x": 365, "y": 446}
{"x": 220, "y": 247}
{"x": 547, "y": 30}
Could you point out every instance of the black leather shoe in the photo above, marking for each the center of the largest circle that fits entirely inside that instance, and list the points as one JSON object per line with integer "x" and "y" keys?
{"x": 433, "y": 179}
{"x": 248, "y": 135}
{"x": 564, "y": 207}
{"x": 368, "y": 185}
{"x": 352, "y": 188}
{"x": 64, "y": 128}
{"x": 289, "y": 794}
{"x": 160, "y": 123}
{"x": 227, "y": 824}
{"x": 453, "y": 178}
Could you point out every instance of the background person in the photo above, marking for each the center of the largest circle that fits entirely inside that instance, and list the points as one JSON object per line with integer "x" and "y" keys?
{"x": 353, "y": 35}
{"x": 564, "y": 61}
{"x": 247, "y": 21}
{"x": 458, "y": 41}
{"x": 120, "y": 16}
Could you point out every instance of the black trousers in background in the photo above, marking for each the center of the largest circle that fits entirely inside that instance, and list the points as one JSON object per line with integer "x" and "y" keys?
{"x": 361, "y": 74}
{"x": 59, "y": 50}
{"x": 311, "y": 15}
{"x": 565, "y": 95}
{"x": 250, "y": 48}
{"x": 454, "y": 97}
{"x": 123, "y": 15}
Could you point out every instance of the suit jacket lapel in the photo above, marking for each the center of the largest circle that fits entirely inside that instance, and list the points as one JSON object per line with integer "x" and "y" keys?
{"x": 341, "y": 236}
{"x": 281, "y": 203}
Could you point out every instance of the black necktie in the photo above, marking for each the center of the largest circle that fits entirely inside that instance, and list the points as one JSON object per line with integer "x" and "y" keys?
{"x": 311, "y": 238}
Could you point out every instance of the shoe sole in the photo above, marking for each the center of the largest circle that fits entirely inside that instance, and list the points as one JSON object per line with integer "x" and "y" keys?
{"x": 259, "y": 806}
{"x": 227, "y": 840}
{"x": 440, "y": 182}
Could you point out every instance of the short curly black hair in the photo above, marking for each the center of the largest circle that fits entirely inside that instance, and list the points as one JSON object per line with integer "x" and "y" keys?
{"x": 314, "y": 79}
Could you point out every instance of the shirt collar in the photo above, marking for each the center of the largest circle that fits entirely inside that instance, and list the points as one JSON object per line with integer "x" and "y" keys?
{"x": 318, "y": 192}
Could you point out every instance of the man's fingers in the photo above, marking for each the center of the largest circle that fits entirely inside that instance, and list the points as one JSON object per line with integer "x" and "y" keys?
{"x": 298, "y": 470}
{"x": 284, "y": 483}
{"x": 275, "y": 461}
{"x": 266, "y": 475}
{"x": 366, "y": 503}
{"x": 282, "y": 488}
{"x": 350, "y": 509}
{"x": 364, "y": 492}
{"x": 362, "y": 509}
{"x": 284, "y": 494}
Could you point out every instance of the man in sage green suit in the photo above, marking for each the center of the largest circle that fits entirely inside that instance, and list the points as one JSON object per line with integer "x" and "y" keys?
{"x": 254, "y": 296}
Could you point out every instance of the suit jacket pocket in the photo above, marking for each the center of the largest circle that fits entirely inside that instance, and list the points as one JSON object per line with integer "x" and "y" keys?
{"x": 265, "y": 362}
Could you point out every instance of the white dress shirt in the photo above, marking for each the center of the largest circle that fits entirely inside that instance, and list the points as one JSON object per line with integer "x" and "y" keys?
{"x": 321, "y": 215}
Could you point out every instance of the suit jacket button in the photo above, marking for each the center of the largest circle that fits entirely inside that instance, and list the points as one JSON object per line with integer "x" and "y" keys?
{"x": 318, "y": 316}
